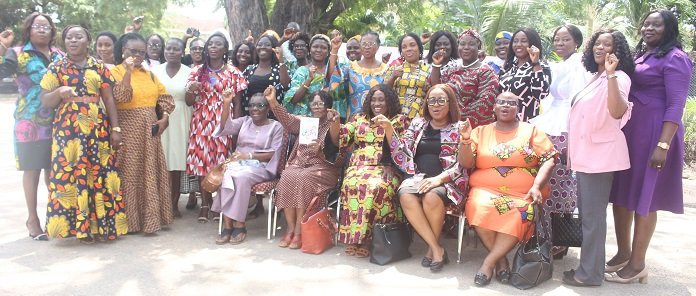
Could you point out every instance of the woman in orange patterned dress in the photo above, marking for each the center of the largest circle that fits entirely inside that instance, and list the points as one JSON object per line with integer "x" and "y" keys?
{"x": 512, "y": 161}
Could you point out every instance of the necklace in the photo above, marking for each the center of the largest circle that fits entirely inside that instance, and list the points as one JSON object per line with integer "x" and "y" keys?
{"x": 469, "y": 65}
{"x": 216, "y": 71}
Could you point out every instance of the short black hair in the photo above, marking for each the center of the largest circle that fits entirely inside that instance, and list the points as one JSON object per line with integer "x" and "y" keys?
{"x": 108, "y": 34}
{"x": 418, "y": 42}
{"x": 299, "y": 36}
{"x": 393, "y": 103}
{"x": 621, "y": 50}
{"x": 274, "y": 44}
{"x": 454, "y": 52}
{"x": 125, "y": 38}
{"x": 161, "y": 50}
{"x": 670, "y": 37}
{"x": 574, "y": 32}
{"x": 372, "y": 33}
{"x": 325, "y": 97}
{"x": 69, "y": 27}
{"x": 534, "y": 40}
{"x": 233, "y": 53}
{"x": 178, "y": 40}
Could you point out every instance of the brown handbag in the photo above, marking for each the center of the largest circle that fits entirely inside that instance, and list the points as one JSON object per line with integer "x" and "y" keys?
{"x": 212, "y": 181}
{"x": 317, "y": 229}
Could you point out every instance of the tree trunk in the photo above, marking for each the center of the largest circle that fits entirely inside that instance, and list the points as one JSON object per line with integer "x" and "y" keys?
{"x": 313, "y": 16}
{"x": 245, "y": 15}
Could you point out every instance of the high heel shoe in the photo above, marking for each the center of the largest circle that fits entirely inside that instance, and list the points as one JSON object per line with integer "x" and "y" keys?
{"x": 481, "y": 279}
{"x": 437, "y": 266}
{"x": 614, "y": 268}
{"x": 613, "y": 277}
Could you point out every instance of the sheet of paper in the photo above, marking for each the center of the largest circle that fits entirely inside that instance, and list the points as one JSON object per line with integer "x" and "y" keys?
{"x": 309, "y": 130}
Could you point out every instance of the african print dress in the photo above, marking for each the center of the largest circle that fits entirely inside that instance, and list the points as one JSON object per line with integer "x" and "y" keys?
{"x": 33, "y": 123}
{"x": 412, "y": 87}
{"x": 369, "y": 187}
{"x": 317, "y": 84}
{"x": 531, "y": 86}
{"x": 142, "y": 165}
{"x": 356, "y": 82}
{"x": 84, "y": 190}
{"x": 259, "y": 83}
{"x": 476, "y": 90}
{"x": 506, "y": 165}
{"x": 205, "y": 151}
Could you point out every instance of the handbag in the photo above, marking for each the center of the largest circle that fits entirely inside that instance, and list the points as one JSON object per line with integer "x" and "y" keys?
{"x": 566, "y": 229}
{"x": 532, "y": 263}
{"x": 317, "y": 229}
{"x": 212, "y": 181}
{"x": 390, "y": 242}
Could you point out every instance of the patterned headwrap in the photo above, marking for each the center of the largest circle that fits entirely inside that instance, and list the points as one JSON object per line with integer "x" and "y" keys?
{"x": 503, "y": 34}
{"x": 472, "y": 33}
{"x": 270, "y": 33}
{"x": 320, "y": 36}
{"x": 356, "y": 38}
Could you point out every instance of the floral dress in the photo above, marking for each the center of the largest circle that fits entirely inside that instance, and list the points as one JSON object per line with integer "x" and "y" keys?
{"x": 371, "y": 180}
{"x": 412, "y": 87}
{"x": 84, "y": 190}
{"x": 33, "y": 123}
{"x": 206, "y": 151}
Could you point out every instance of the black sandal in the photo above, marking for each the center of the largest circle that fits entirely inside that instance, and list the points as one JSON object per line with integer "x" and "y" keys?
{"x": 426, "y": 261}
{"x": 238, "y": 235}
{"x": 225, "y": 237}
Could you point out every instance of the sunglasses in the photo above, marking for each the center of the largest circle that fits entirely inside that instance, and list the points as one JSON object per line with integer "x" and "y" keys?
{"x": 154, "y": 45}
{"x": 197, "y": 48}
{"x": 367, "y": 44}
{"x": 434, "y": 101}
{"x": 257, "y": 106}
{"x": 506, "y": 102}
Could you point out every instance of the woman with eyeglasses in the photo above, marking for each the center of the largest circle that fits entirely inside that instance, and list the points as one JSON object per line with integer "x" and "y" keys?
{"x": 254, "y": 160}
{"x": 299, "y": 47}
{"x": 195, "y": 55}
{"x": 474, "y": 82}
{"x": 411, "y": 80}
{"x": 33, "y": 122}
{"x": 145, "y": 180}
{"x": 155, "y": 51}
{"x": 89, "y": 204}
{"x": 358, "y": 77}
{"x": 511, "y": 162}
{"x": 427, "y": 153}
{"x": 310, "y": 78}
{"x": 204, "y": 89}
{"x": 312, "y": 169}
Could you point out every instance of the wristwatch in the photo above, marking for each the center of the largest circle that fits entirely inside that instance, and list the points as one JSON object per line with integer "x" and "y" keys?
{"x": 663, "y": 145}
{"x": 116, "y": 129}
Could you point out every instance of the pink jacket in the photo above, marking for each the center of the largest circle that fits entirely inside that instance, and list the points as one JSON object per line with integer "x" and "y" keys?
{"x": 596, "y": 143}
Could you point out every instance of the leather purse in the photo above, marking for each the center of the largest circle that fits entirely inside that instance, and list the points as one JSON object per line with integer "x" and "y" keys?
{"x": 318, "y": 229}
{"x": 390, "y": 242}
{"x": 532, "y": 262}
{"x": 212, "y": 181}
{"x": 566, "y": 229}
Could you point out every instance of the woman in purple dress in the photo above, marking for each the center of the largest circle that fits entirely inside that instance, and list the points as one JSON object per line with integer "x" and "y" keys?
{"x": 655, "y": 136}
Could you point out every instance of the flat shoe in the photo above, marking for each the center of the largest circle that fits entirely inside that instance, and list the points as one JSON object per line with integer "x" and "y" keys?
{"x": 426, "y": 261}
{"x": 225, "y": 237}
{"x": 350, "y": 250}
{"x": 238, "y": 235}
{"x": 503, "y": 276}
{"x": 569, "y": 279}
{"x": 192, "y": 201}
{"x": 614, "y": 277}
{"x": 481, "y": 279}
{"x": 614, "y": 268}
{"x": 39, "y": 237}
{"x": 362, "y": 252}
{"x": 437, "y": 266}
{"x": 285, "y": 242}
{"x": 296, "y": 242}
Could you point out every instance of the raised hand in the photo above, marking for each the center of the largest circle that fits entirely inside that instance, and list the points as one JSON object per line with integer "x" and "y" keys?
{"x": 6, "y": 38}
{"x": 425, "y": 37}
{"x": 439, "y": 57}
{"x": 336, "y": 42}
{"x": 610, "y": 63}
{"x": 386, "y": 57}
{"x": 288, "y": 33}
{"x": 249, "y": 38}
{"x": 129, "y": 63}
{"x": 465, "y": 130}
{"x": 312, "y": 72}
{"x": 270, "y": 94}
{"x": 227, "y": 96}
{"x": 534, "y": 53}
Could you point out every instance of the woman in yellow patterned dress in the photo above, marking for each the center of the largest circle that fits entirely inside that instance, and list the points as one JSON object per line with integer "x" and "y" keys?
{"x": 411, "y": 80}
{"x": 84, "y": 190}
{"x": 369, "y": 187}
{"x": 141, "y": 160}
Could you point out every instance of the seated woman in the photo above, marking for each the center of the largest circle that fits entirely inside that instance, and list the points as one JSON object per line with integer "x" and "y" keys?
{"x": 371, "y": 180}
{"x": 312, "y": 170}
{"x": 255, "y": 160}
{"x": 512, "y": 163}
{"x": 427, "y": 153}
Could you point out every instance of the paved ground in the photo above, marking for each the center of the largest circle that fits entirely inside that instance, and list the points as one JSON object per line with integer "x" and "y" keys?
{"x": 184, "y": 260}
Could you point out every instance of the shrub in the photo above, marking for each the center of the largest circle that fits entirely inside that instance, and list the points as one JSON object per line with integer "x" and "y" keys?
{"x": 689, "y": 120}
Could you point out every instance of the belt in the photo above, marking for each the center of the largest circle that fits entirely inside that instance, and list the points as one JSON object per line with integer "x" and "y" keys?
{"x": 83, "y": 99}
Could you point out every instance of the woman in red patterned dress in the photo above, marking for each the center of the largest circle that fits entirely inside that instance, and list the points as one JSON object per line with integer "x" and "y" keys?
{"x": 204, "y": 93}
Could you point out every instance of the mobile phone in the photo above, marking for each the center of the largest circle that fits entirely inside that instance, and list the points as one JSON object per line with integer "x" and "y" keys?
{"x": 193, "y": 31}
{"x": 139, "y": 19}
{"x": 155, "y": 129}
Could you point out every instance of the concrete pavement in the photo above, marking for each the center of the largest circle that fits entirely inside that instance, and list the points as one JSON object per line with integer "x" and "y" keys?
{"x": 184, "y": 260}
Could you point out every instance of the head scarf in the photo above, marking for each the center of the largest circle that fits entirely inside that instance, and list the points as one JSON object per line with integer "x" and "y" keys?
{"x": 270, "y": 33}
{"x": 356, "y": 38}
{"x": 320, "y": 36}
{"x": 472, "y": 33}
{"x": 503, "y": 35}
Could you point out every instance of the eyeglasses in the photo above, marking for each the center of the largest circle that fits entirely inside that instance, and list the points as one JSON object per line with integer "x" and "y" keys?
{"x": 154, "y": 45}
{"x": 258, "y": 106}
{"x": 136, "y": 52}
{"x": 367, "y": 44}
{"x": 39, "y": 27}
{"x": 432, "y": 101}
{"x": 502, "y": 102}
{"x": 316, "y": 104}
{"x": 197, "y": 48}
{"x": 264, "y": 45}
{"x": 300, "y": 46}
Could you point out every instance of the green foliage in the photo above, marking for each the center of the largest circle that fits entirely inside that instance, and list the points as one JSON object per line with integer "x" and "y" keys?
{"x": 689, "y": 120}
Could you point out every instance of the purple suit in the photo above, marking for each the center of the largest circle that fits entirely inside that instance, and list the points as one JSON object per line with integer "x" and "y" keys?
{"x": 658, "y": 92}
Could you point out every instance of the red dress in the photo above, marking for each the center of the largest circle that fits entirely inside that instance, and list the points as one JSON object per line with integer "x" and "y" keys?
{"x": 205, "y": 151}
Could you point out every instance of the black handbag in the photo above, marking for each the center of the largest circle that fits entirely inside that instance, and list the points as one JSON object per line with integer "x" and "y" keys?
{"x": 566, "y": 229}
{"x": 532, "y": 263}
{"x": 390, "y": 242}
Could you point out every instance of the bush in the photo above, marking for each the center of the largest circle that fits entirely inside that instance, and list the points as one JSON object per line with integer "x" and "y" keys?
{"x": 689, "y": 120}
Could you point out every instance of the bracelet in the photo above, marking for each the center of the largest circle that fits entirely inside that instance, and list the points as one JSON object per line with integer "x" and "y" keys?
{"x": 610, "y": 76}
{"x": 251, "y": 156}
{"x": 334, "y": 54}
{"x": 305, "y": 86}
{"x": 116, "y": 129}
{"x": 437, "y": 66}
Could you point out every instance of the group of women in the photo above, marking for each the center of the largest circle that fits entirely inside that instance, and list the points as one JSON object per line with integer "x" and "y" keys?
{"x": 404, "y": 140}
